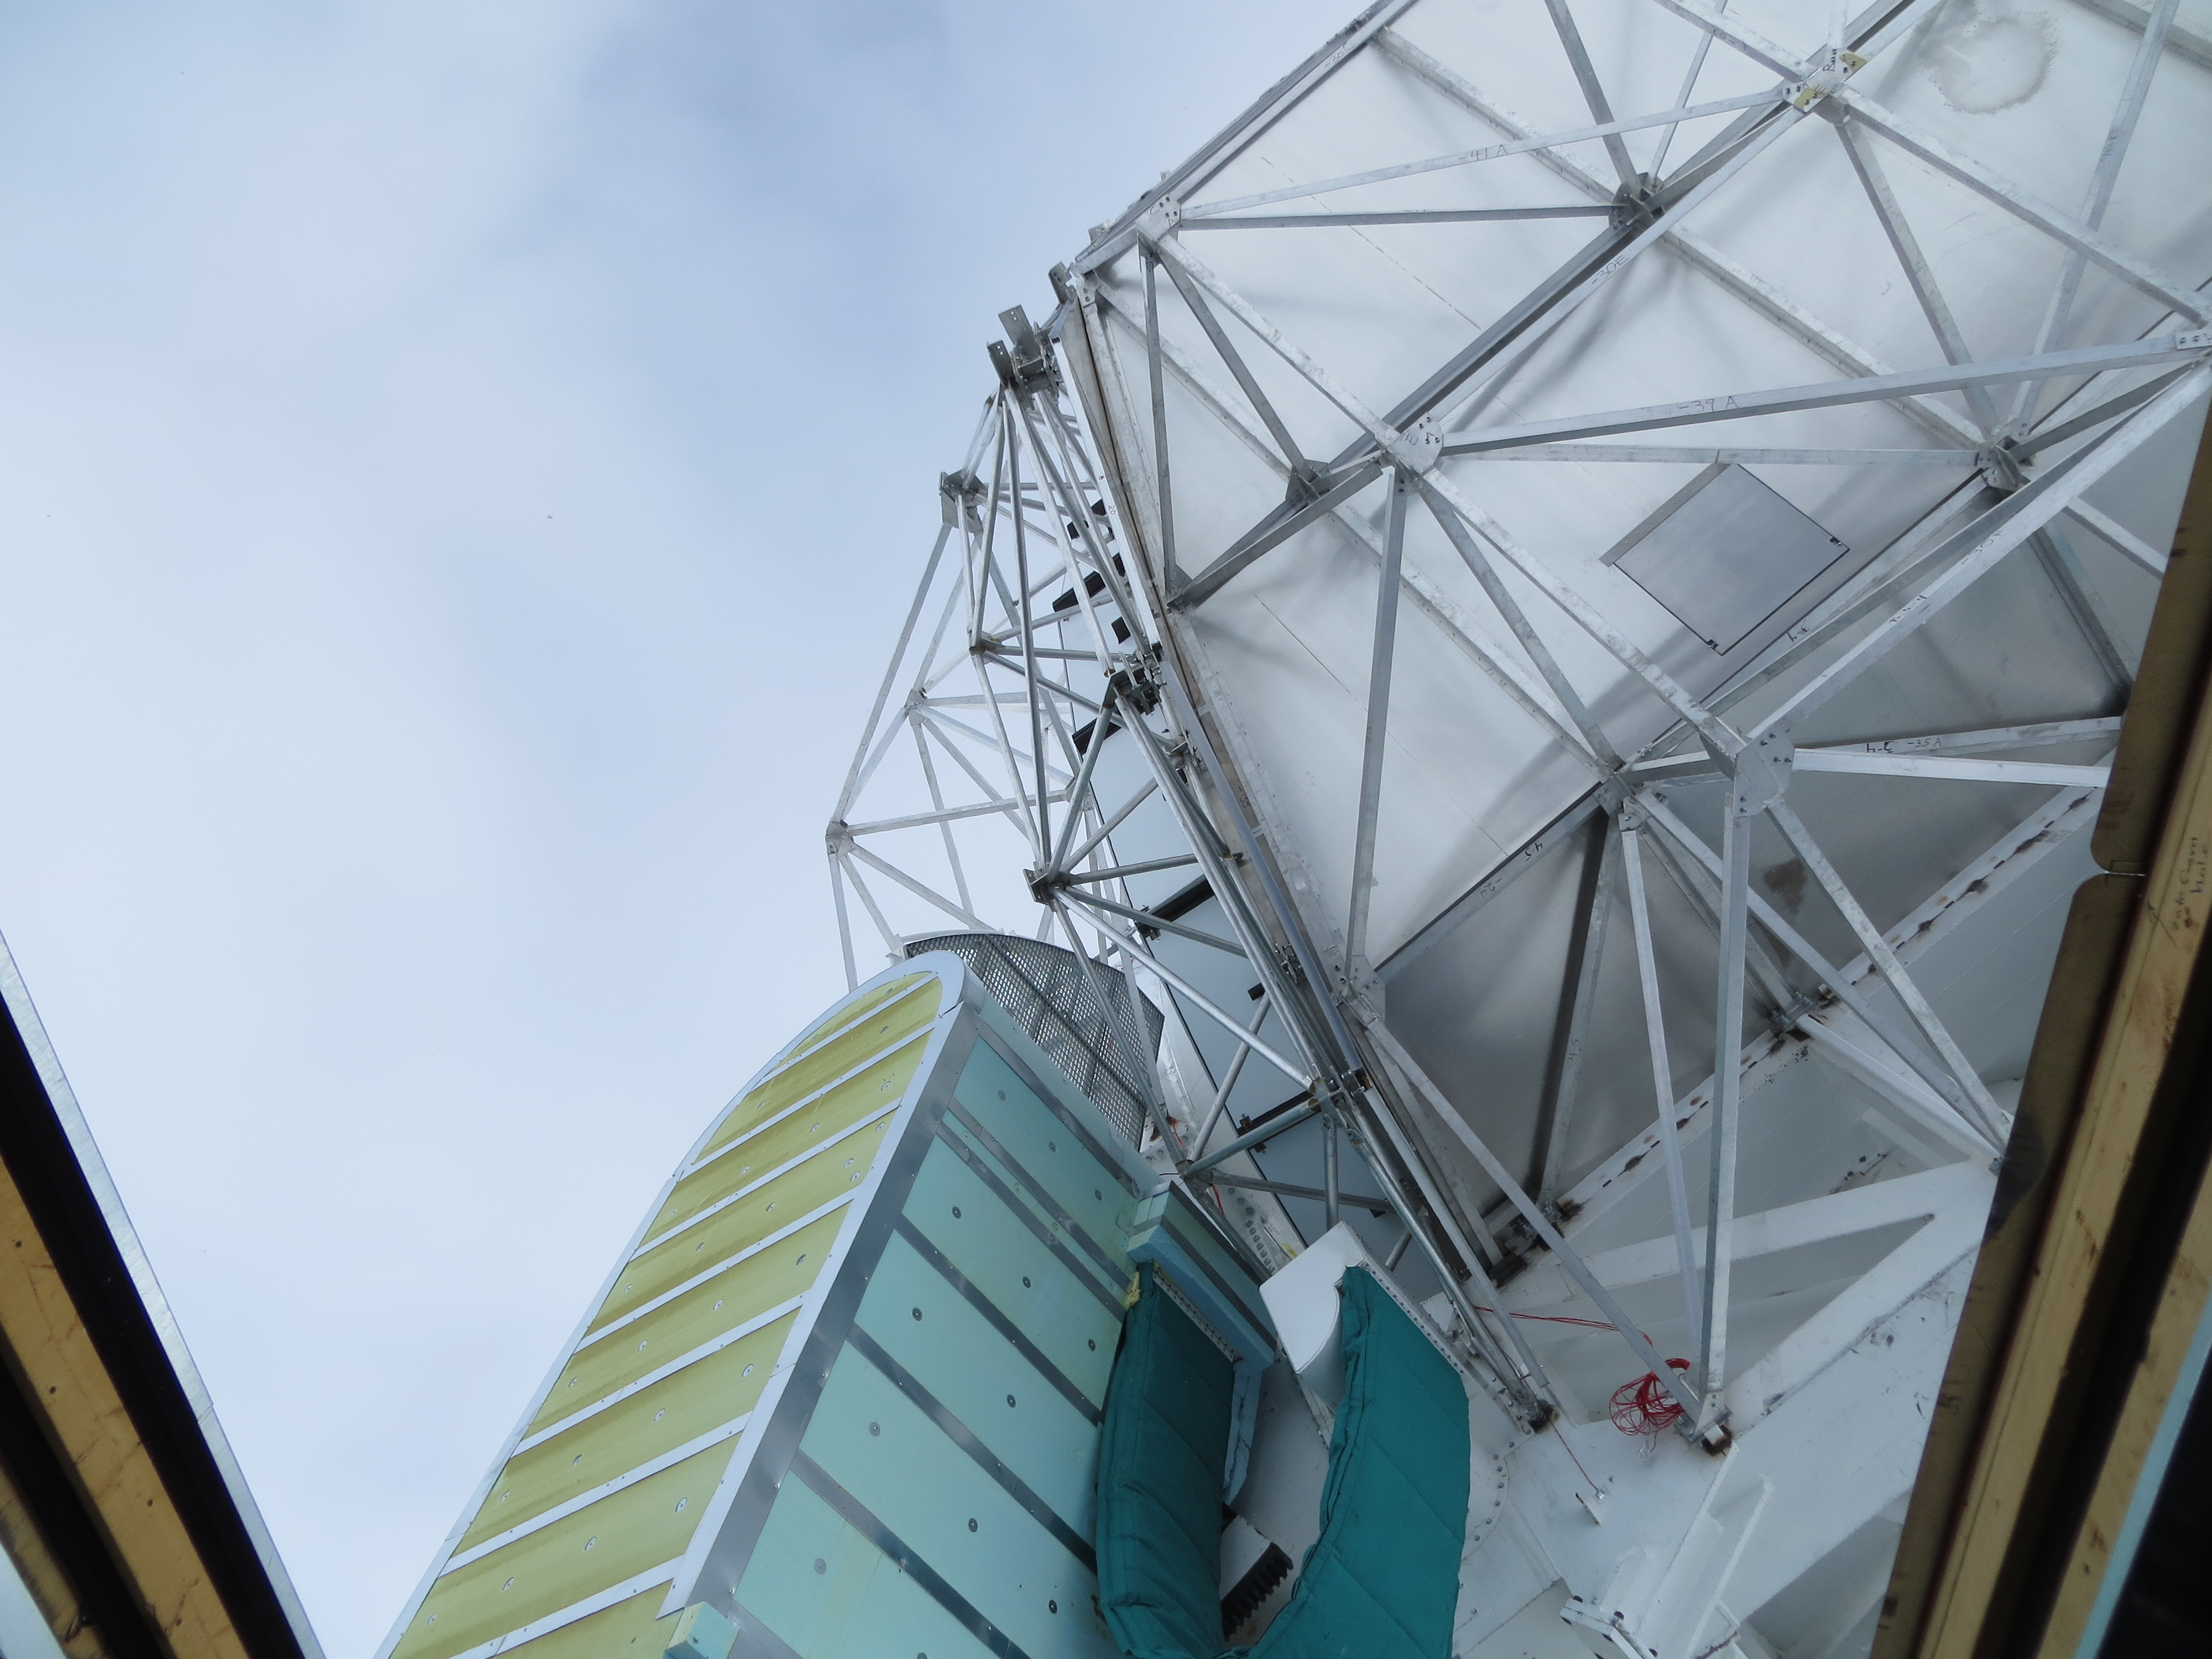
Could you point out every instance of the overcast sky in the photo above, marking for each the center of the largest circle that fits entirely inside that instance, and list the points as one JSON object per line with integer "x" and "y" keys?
{"x": 460, "y": 467}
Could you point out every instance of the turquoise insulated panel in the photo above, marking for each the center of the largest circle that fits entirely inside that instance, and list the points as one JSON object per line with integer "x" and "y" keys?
{"x": 1159, "y": 1484}
{"x": 1381, "y": 1581}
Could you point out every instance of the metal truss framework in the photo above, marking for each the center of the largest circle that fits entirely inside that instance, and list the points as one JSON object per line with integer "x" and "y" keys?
{"x": 1064, "y": 604}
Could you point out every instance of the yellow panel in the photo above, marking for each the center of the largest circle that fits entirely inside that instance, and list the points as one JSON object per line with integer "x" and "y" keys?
{"x": 669, "y": 1332}
{"x": 704, "y": 1395}
{"x": 838, "y": 1171}
{"x": 628, "y": 1630}
{"x": 828, "y": 1063}
{"x": 558, "y": 1566}
{"x": 847, "y": 1012}
{"x": 881, "y": 1084}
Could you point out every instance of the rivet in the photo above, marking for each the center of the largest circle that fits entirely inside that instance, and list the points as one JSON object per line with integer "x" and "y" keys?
{"x": 748, "y": 1372}
{"x": 1094, "y": 1345}
{"x": 956, "y": 1213}
{"x": 1025, "y": 1281}
{"x": 971, "y": 1523}
{"x": 917, "y": 1313}
{"x": 1052, "y": 1607}
{"x": 875, "y": 1428}
{"x": 509, "y": 1584}
{"x": 820, "y": 1565}
{"x": 1009, "y": 1399}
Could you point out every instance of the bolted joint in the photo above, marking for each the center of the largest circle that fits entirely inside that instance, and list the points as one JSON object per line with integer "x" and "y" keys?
{"x": 1160, "y": 220}
{"x": 1825, "y": 73}
{"x": 1418, "y": 449}
{"x": 957, "y": 494}
{"x": 1760, "y": 771}
{"x": 2001, "y": 469}
{"x": 1136, "y": 686}
{"x": 1028, "y": 366}
{"x": 1309, "y": 481}
{"x": 1633, "y": 205}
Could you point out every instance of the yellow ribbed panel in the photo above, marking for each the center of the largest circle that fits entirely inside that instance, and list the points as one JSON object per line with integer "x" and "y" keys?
{"x": 651, "y": 1422}
{"x": 628, "y": 1630}
{"x": 833, "y": 1173}
{"x": 846, "y": 1012}
{"x": 781, "y": 1140}
{"x": 560, "y": 1564}
{"x": 827, "y": 1063}
{"x": 737, "y": 1241}
{"x": 782, "y": 1271}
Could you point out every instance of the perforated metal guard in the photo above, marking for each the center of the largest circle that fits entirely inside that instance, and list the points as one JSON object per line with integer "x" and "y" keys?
{"x": 1048, "y": 993}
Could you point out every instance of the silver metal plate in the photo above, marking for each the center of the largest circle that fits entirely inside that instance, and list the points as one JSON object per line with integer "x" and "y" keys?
{"x": 1724, "y": 553}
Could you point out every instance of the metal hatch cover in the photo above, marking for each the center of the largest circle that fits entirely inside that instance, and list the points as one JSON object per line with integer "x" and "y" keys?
{"x": 1725, "y": 554}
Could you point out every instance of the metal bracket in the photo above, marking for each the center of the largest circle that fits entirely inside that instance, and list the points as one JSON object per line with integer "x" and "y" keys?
{"x": 1827, "y": 72}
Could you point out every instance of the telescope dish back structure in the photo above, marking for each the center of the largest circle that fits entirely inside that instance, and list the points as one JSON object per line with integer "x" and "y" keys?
{"x": 1559, "y": 597}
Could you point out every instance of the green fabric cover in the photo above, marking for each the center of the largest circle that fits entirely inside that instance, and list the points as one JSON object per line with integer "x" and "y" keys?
{"x": 1161, "y": 1451}
{"x": 1381, "y": 1581}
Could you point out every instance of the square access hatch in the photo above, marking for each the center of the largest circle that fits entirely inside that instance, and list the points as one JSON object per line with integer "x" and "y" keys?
{"x": 1725, "y": 553}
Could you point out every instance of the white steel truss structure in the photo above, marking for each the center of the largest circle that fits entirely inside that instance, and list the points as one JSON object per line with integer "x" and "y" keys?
{"x": 1462, "y": 600}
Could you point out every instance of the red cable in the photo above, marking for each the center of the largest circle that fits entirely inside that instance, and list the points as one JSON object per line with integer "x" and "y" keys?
{"x": 1646, "y": 1406}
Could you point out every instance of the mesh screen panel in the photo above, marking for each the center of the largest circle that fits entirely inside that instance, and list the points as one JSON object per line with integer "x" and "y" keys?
{"x": 1077, "y": 1012}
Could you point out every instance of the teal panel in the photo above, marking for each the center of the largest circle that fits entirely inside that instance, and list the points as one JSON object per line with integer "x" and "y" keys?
{"x": 1382, "y": 1579}
{"x": 980, "y": 1377}
{"x": 1050, "y": 1154}
{"x": 1228, "y": 1276}
{"x": 1159, "y": 1485}
{"x": 1003, "y": 1258}
{"x": 885, "y": 1451}
{"x": 859, "y": 1606}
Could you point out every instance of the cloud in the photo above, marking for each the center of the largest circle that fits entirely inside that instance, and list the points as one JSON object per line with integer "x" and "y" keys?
{"x": 460, "y": 470}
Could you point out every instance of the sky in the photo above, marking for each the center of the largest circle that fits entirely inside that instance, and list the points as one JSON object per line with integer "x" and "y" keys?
{"x": 461, "y": 470}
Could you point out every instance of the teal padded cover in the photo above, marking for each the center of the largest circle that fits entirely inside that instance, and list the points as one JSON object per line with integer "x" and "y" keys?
{"x": 1381, "y": 1581}
{"x": 1160, "y": 1454}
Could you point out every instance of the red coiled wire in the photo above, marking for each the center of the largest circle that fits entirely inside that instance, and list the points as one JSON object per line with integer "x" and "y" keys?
{"x": 1645, "y": 1405}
